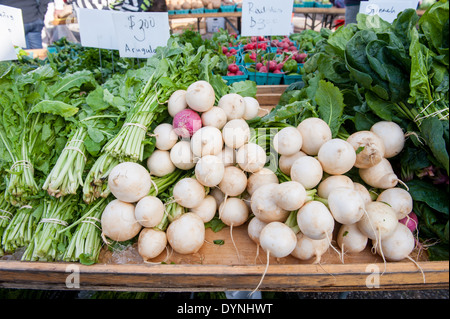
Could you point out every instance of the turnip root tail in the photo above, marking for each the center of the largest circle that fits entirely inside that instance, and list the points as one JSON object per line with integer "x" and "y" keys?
{"x": 168, "y": 255}
{"x": 418, "y": 266}
{"x": 403, "y": 183}
{"x": 234, "y": 244}
{"x": 334, "y": 248}
{"x": 263, "y": 275}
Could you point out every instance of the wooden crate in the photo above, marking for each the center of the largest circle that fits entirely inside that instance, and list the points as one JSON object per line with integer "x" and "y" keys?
{"x": 238, "y": 266}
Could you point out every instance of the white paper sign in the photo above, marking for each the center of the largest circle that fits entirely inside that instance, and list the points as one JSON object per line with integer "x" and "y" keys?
{"x": 7, "y": 51}
{"x": 140, "y": 33}
{"x": 11, "y": 19}
{"x": 266, "y": 17}
{"x": 97, "y": 29}
{"x": 388, "y": 10}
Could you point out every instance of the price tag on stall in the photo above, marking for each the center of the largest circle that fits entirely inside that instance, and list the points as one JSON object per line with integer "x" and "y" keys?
{"x": 387, "y": 10}
{"x": 11, "y": 19}
{"x": 7, "y": 51}
{"x": 266, "y": 17}
{"x": 97, "y": 29}
{"x": 140, "y": 33}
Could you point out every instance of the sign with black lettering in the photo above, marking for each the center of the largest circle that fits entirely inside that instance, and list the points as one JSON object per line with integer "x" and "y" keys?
{"x": 266, "y": 17}
{"x": 386, "y": 9}
{"x": 11, "y": 20}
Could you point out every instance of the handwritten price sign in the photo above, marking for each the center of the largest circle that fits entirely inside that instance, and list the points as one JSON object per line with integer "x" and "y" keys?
{"x": 266, "y": 17}
{"x": 386, "y": 9}
{"x": 140, "y": 33}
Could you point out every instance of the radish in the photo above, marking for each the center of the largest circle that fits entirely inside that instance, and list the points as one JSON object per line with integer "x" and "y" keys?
{"x": 315, "y": 133}
{"x": 228, "y": 156}
{"x": 151, "y": 243}
{"x": 399, "y": 199}
{"x": 129, "y": 182}
{"x": 119, "y": 222}
{"x": 251, "y": 157}
{"x": 200, "y": 96}
{"x": 181, "y": 155}
{"x": 332, "y": 182}
{"x": 290, "y": 195}
{"x": 207, "y": 208}
{"x": 186, "y": 234}
{"x": 207, "y": 141}
{"x": 346, "y": 205}
{"x": 363, "y": 192}
{"x": 234, "y": 181}
{"x": 188, "y": 192}
{"x": 307, "y": 248}
{"x": 351, "y": 240}
{"x": 285, "y": 162}
{"x": 259, "y": 178}
{"x": 236, "y": 133}
{"x": 209, "y": 170}
{"x": 177, "y": 102}
{"x": 336, "y": 156}
{"x": 392, "y": 136}
{"x": 186, "y": 122}
{"x": 287, "y": 141}
{"x": 252, "y": 108}
{"x": 215, "y": 117}
{"x": 165, "y": 136}
{"x": 379, "y": 176}
{"x": 315, "y": 221}
{"x": 159, "y": 163}
{"x": 307, "y": 171}
{"x": 369, "y": 148}
{"x": 149, "y": 211}
{"x": 264, "y": 204}
{"x": 233, "y": 104}
{"x": 411, "y": 221}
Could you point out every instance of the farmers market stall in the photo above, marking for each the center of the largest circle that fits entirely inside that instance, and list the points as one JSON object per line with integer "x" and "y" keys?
{"x": 178, "y": 172}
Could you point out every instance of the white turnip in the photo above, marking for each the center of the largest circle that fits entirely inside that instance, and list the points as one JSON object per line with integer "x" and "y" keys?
{"x": 177, "y": 102}
{"x": 307, "y": 171}
{"x": 392, "y": 136}
{"x": 252, "y": 108}
{"x": 315, "y": 133}
{"x": 151, "y": 243}
{"x": 290, "y": 195}
{"x": 236, "y": 133}
{"x": 118, "y": 221}
{"x": 188, "y": 192}
{"x": 129, "y": 182}
{"x": 336, "y": 156}
{"x": 209, "y": 170}
{"x": 181, "y": 155}
{"x": 207, "y": 141}
{"x": 149, "y": 211}
{"x": 254, "y": 228}
{"x": 215, "y": 117}
{"x": 363, "y": 192}
{"x": 332, "y": 182}
{"x": 278, "y": 239}
{"x": 287, "y": 141}
{"x": 264, "y": 205}
{"x": 307, "y": 248}
{"x": 233, "y": 212}
{"x": 228, "y": 156}
{"x": 399, "y": 199}
{"x": 200, "y": 96}
{"x": 207, "y": 208}
{"x": 315, "y": 220}
{"x": 369, "y": 148}
{"x": 379, "y": 221}
{"x": 251, "y": 157}
{"x": 159, "y": 163}
{"x": 285, "y": 162}
{"x": 165, "y": 136}
{"x": 233, "y": 104}
{"x": 379, "y": 176}
{"x": 234, "y": 181}
{"x": 351, "y": 240}
{"x": 346, "y": 205}
{"x": 186, "y": 234}
{"x": 259, "y": 178}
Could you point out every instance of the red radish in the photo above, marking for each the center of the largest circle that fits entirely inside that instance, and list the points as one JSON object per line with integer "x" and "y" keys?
{"x": 411, "y": 221}
{"x": 186, "y": 123}
{"x": 263, "y": 69}
{"x": 272, "y": 66}
{"x": 224, "y": 50}
{"x": 231, "y": 74}
{"x": 239, "y": 73}
{"x": 233, "y": 68}
{"x": 258, "y": 66}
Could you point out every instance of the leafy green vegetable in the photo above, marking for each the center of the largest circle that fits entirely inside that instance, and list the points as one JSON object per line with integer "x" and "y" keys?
{"x": 330, "y": 105}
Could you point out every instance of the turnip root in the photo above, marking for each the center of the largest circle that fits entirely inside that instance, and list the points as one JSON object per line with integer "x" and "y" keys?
{"x": 228, "y": 156}
{"x": 181, "y": 155}
{"x": 336, "y": 156}
{"x": 363, "y": 192}
{"x": 315, "y": 133}
{"x": 379, "y": 176}
{"x": 332, "y": 182}
{"x": 351, "y": 240}
{"x": 209, "y": 170}
{"x": 233, "y": 104}
{"x": 215, "y": 117}
{"x": 278, "y": 239}
{"x": 165, "y": 136}
{"x": 398, "y": 245}
{"x": 218, "y": 195}
{"x": 288, "y": 141}
{"x": 369, "y": 148}
{"x": 251, "y": 157}
{"x": 252, "y": 108}
{"x": 186, "y": 234}
{"x": 207, "y": 208}
{"x": 159, "y": 163}
{"x": 259, "y": 178}
{"x": 151, "y": 243}
{"x": 315, "y": 221}
{"x": 234, "y": 181}
{"x": 188, "y": 192}
{"x": 177, "y": 102}
{"x": 186, "y": 122}
{"x": 307, "y": 248}
{"x": 346, "y": 205}
{"x": 236, "y": 133}
{"x": 307, "y": 171}
{"x": 254, "y": 228}
{"x": 119, "y": 222}
{"x": 290, "y": 195}
{"x": 129, "y": 182}
{"x": 379, "y": 221}
{"x": 399, "y": 199}
{"x": 207, "y": 141}
{"x": 264, "y": 205}
{"x": 200, "y": 96}
{"x": 285, "y": 162}
{"x": 392, "y": 136}
{"x": 149, "y": 211}
{"x": 233, "y": 212}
